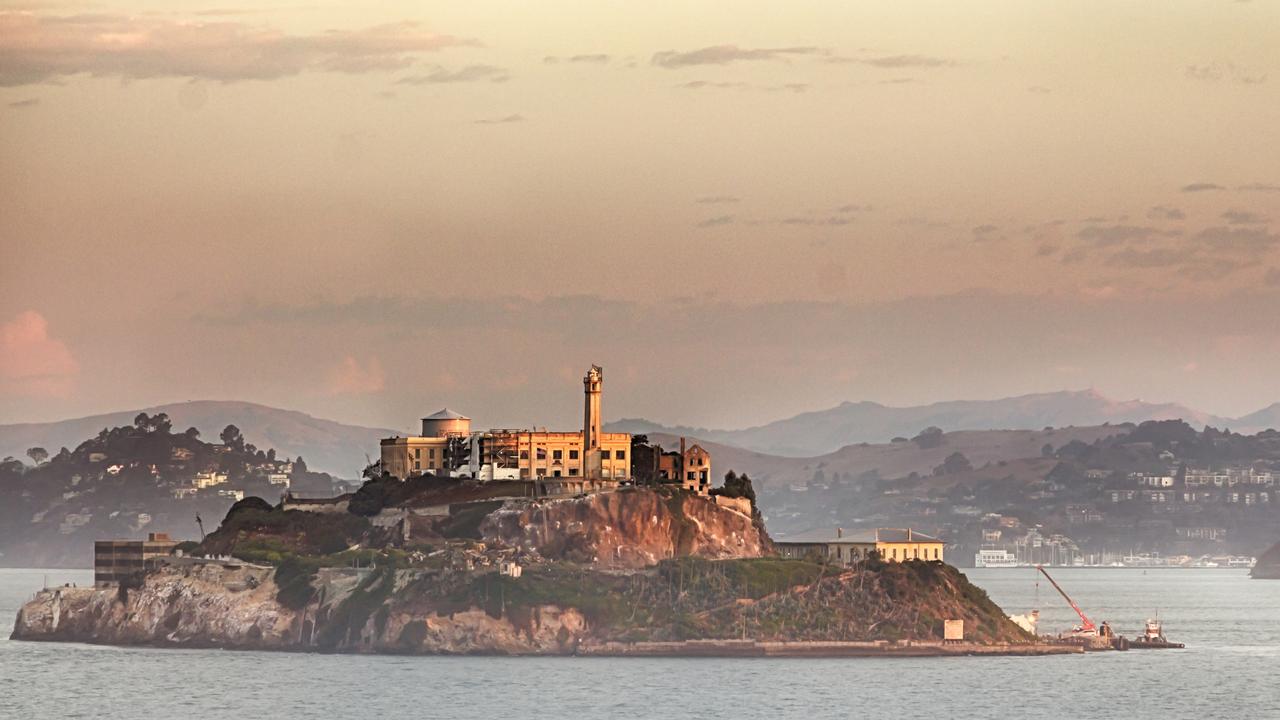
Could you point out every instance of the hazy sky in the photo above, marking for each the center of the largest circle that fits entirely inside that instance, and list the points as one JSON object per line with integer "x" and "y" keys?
{"x": 743, "y": 210}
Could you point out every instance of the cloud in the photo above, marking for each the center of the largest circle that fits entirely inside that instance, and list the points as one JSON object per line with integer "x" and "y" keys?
{"x": 721, "y": 85}
{"x": 32, "y": 364}
{"x": 716, "y": 221}
{"x": 501, "y": 120}
{"x": 1162, "y": 212}
{"x": 703, "y": 84}
{"x": 1243, "y": 217}
{"x": 893, "y": 61}
{"x": 1201, "y": 187}
{"x": 1259, "y": 187}
{"x": 1110, "y": 235}
{"x": 1250, "y": 242}
{"x": 985, "y": 232}
{"x": 833, "y": 220}
{"x": 29, "y": 102}
{"x": 470, "y": 73}
{"x": 716, "y": 199}
{"x": 350, "y": 378}
{"x": 725, "y": 54}
{"x": 1218, "y": 72}
{"x": 588, "y": 59}
{"x": 36, "y": 48}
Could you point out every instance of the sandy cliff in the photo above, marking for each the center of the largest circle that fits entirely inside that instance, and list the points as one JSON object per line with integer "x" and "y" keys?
{"x": 628, "y": 529}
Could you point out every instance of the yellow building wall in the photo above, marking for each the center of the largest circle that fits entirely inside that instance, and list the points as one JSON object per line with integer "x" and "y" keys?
{"x": 408, "y": 456}
{"x": 899, "y": 551}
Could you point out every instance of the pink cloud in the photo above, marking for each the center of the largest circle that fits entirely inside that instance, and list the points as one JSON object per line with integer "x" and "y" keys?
{"x": 350, "y": 378}
{"x": 32, "y": 364}
{"x": 36, "y": 47}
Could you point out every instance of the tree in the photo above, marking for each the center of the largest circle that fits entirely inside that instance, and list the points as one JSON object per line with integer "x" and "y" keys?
{"x": 736, "y": 486}
{"x": 1047, "y": 450}
{"x": 142, "y": 421}
{"x": 231, "y": 436}
{"x": 956, "y": 462}
{"x": 192, "y": 433}
{"x": 930, "y": 437}
{"x": 38, "y": 454}
{"x": 160, "y": 423}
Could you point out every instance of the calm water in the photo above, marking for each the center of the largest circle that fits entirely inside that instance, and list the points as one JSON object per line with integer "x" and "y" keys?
{"x": 1231, "y": 625}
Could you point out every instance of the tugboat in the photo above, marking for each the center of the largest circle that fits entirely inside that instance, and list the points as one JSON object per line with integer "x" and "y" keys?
{"x": 1152, "y": 638}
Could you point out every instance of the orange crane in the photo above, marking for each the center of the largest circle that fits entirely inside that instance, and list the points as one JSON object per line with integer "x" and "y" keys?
{"x": 1086, "y": 625}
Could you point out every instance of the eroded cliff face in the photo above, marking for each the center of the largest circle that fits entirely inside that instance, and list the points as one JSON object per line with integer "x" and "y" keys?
{"x": 197, "y": 605}
{"x": 209, "y": 605}
{"x": 632, "y": 528}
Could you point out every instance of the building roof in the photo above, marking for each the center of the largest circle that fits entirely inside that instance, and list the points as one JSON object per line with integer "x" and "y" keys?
{"x": 857, "y": 537}
{"x": 446, "y": 414}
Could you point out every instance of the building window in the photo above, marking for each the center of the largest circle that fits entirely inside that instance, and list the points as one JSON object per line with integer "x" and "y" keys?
{"x": 417, "y": 453}
{"x": 431, "y": 453}
{"x": 935, "y": 553}
{"x": 542, "y": 453}
{"x": 620, "y": 454}
{"x": 524, "y": 454}
{"x": 557, "y": 454}
{"x": 556, "y": 474}
{"x": 573, "y": 471}
{"x": 895, "y": 554}
{"x": 573, "y": 454}
{"x": 417, "y": 465}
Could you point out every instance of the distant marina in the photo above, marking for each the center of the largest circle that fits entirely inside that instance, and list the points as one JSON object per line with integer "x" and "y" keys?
{"x": 1002, "y": 558}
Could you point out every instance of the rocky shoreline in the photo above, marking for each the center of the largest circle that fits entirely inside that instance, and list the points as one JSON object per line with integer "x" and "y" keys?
{"x": 632, "y": 573}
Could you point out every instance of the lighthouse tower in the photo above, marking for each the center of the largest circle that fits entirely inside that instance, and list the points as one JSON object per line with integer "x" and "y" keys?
{"x": 592, "y": 384}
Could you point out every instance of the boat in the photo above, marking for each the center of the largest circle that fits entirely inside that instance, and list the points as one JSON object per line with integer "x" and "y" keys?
{"x": 1152, "y": 638}
{"x": 995, "y": 559}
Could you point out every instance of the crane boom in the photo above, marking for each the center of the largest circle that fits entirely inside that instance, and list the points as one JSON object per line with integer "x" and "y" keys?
{"x": 1085, "y": 623}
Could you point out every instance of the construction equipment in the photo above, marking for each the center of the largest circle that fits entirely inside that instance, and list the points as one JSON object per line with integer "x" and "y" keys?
{"x": 1086, "y": 625}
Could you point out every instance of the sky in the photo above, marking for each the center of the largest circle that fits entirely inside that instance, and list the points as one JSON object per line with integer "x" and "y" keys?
{"x": 745, "y": 210}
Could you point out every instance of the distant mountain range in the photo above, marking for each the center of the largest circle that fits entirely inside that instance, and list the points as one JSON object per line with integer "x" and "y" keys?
{"x": 327, "y": 446}
{"x": 816, "y": 433}
{"x": 340, "y": 449}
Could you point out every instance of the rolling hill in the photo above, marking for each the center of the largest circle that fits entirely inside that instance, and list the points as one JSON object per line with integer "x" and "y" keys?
{"x": 327, "y": 446}
{"x": 824, "y": 431}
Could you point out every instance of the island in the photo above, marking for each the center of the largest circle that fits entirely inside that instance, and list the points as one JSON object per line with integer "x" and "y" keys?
{"x": 435, "y": 565}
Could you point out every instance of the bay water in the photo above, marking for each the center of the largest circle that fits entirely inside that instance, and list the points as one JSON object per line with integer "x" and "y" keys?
{"x": 1230, "y": 624}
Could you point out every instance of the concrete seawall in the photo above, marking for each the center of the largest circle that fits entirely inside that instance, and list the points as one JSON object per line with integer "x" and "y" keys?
{"x": 816, "y": 649}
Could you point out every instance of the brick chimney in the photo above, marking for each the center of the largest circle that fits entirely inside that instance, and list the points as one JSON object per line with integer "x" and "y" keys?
{"x": 839, "y": 533}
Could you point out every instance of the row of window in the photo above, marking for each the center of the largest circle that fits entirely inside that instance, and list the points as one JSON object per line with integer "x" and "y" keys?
{"x": 894, "y": 554}
{"x": 573, "y": 454}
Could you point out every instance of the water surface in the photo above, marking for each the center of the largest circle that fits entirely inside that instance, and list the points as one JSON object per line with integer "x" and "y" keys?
{"x": 1231, "y": 625}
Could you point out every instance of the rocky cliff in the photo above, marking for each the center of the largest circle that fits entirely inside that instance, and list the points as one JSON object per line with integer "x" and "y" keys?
{"x": 628, "y": 529}
{"x": 514, "y": 576}
{"x": 195, "y": 605}
{"x": 554, "y": 609}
